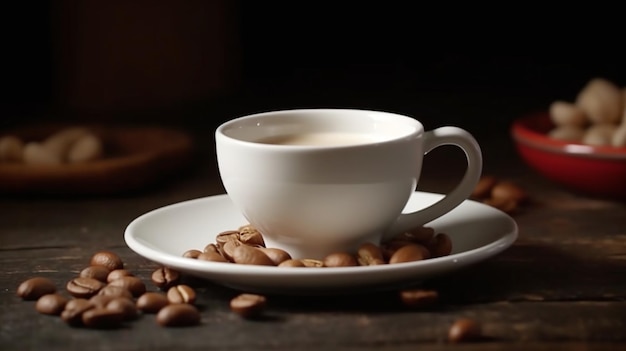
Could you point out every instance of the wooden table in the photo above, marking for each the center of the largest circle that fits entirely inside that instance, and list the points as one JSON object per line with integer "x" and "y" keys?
{"x": 561, "y": 286}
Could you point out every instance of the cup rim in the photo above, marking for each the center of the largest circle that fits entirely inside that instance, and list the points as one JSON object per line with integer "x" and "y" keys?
{"x": 418, "y": 128}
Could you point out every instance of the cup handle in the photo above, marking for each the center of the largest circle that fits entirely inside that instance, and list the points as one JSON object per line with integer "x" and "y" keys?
{"x": 432, "y": 139}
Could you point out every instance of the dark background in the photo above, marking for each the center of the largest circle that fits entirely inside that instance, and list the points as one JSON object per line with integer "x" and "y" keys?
{"x": 444, "y": 64}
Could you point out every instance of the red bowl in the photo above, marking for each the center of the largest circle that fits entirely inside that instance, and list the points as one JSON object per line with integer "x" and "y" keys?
{"x": 593, "y": 170}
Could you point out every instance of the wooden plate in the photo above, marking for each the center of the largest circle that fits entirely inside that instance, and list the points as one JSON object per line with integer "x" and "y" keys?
{"x": 134, "y": 157}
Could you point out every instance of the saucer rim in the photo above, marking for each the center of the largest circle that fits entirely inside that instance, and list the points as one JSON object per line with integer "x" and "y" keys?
{"x": 222, "y": 273}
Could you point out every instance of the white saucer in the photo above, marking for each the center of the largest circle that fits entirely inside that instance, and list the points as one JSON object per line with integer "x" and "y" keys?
{"x": 162, "y": 235}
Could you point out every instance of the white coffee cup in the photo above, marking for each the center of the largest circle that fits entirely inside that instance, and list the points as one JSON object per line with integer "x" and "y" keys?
{"x": 317, "y": 181}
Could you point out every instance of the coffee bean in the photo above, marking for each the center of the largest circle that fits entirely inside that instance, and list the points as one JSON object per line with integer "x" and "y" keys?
{"x": 311, "y": 262}
{"x": 108, "y": 259}
{"x": 440, "y": 246}
{"x": 84, "y": 287}
{"x": 115, "y": 291}
{"x": 102, "y": 318}
{"x": 506, "y": 205}
{"x": 193, "y": 253}
{"x": 340, "y": 259}
{"x": 244, "y": 254}
{"x": 222, "y": 238}
{"x": 250, "y": 236}
{"x": 291, "y": 263}
{"x": 118, "y": 274}
{"x": 96, "y": 272}
{"x": 178, "y": 315}
{"x": 125, "y": 305}
{"x": 211, "y": 248}
{"x": 76, "y": 303}
{"x": 212, "y": 257}
{"x": 419, "y": 298}
{"x": 52, "y": 304}
{"x": 165, "y": 277}
{"x": 131, "y": 283}
{"x": 483, "y": 187}
{"x": 509, "y": 190}
{"x": 74, "y": 309}
{"x": 248, "y": 305}
{"x": 181, "y": 294}
{"x": 276, "y": 255}
{"x": 369, "y": 254}
{"x": 152, "y": 302}
{"x": 228, "y": 249}
{"x": 100, "y": 301}
{"x": 463, "y": 330}
{"x": 409, "y": 253}
{"x": 34, "y": 288}
{"x": 419, "y": 235}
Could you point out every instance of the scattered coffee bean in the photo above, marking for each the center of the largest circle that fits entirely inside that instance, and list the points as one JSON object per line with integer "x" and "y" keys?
{"x": 484, "y": 186}
{"x": 211, "y": 248}
{"x": 369, "y": 254}
{"x": 131, "y": 283}
{"x": 276, "y": 255}
{"x": 212, "y": 257}
{"x": 102, "y": 318}
{"x": 409, "y": 253}
{"x": 250, "y": 236}
{"x": 152, "y": 302}
{"x": 115, "y": 291}
{"x": 193, "y": 253}
{"x": 118, "y": 274}
{"x": 181, "y": 294}
{"x": 74, "y": 309}
{"x": 248, "y": 305}
{"x": 291, "y": 263}
{"x": 34, "y": 288}
{"x": 504, "y": 195}
{"x": 509, "y": 190}
{"x": 244, "y": 254}
{"x": 52, "y": 304}
{"x": 96, "y": 272}
{"x": 340, "y": 259}
{"x": 311, "y": 262}
{"x": 84, "y": 287}
{"x": 100, "y": 301}
{"x": 503, "y": 204}
{"x": 178, "y": 315}
{"x": 125, "y": 305}
{"x": 419, "y": 235}
{"x": 419, "y": 298}
{"x": 108, "y": 259}
{"x": 165, "y": 277}
{"x": 441, "y": 245}
{"x": 463, "y": 330}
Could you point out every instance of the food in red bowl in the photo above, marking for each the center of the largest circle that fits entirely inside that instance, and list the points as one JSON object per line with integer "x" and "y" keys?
{"x": 588, "y": 169}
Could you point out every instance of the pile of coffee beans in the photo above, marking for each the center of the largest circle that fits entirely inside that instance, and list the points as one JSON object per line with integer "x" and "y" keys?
{"x": 245, "y": 245}
{"x": 69, "y": 145}
{"x": 106, "y": 295}
{"x": 504, "y": 195}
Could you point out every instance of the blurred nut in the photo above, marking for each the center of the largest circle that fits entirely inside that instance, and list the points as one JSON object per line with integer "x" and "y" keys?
{"x": 601, "y": 100}
{"x": 566, "y": 114}
{"x": 11, "y": 149}
{"x": 567, "y": 133}
{"x": 599, "y": 134}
